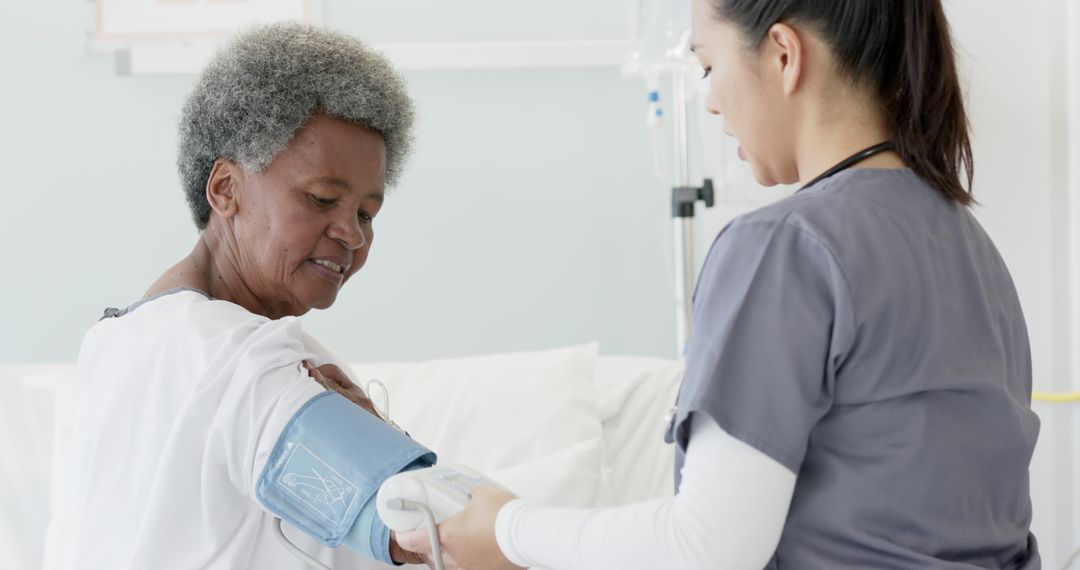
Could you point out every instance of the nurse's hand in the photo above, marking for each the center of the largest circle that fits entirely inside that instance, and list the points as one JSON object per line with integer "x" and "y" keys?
{"x": 468, "y": 538}
{"x": 401, "y": 556}
{"x": 332, "y": 378}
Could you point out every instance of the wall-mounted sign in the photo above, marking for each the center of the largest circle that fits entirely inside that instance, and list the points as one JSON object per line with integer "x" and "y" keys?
{"x": 126, "y": 21}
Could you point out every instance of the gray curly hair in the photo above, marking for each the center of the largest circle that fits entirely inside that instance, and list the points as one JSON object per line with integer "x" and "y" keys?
{"x": 262, "y": 88}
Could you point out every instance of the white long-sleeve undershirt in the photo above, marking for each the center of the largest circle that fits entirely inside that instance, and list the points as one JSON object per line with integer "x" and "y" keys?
{"x": 729, "y": 512}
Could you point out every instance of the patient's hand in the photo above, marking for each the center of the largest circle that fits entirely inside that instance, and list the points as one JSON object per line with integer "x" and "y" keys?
{"x": 468, "y": 538}
{"x": 333, "y": 378}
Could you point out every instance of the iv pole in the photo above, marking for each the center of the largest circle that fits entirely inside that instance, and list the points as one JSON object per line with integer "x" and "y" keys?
{"x": 683, "y": 199}
{"x": 659, "y": 23}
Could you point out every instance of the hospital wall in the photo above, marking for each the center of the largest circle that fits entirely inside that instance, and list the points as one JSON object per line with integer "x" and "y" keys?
{"x": 526, "y": 218}
{"x": 1021, "y": 118}
{"x": 529, "y": 216}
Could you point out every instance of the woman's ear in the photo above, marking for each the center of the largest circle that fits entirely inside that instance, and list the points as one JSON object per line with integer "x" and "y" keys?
{"x": 222, "y": 187}
{"x": 786, "y": 57}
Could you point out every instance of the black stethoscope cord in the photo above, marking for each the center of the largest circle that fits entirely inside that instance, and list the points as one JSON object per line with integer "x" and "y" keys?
{"x": 851, "y": 161}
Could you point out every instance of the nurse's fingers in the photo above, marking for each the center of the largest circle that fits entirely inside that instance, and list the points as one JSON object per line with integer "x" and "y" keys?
{"x": 418, "y": 541}
{"x": 401, "y": 555}
{"x": 415, "y": 541}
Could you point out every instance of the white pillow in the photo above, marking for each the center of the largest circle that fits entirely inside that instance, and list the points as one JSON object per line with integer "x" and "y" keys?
{"x": 32, "y": 415}
{"x": 528, "y": 420}
{"x": 635, "y": 394}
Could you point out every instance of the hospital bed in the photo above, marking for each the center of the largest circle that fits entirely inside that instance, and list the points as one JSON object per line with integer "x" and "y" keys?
{"x": 564, "y": 427}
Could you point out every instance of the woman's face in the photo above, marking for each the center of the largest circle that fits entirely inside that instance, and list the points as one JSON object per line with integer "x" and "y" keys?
{"x": 746, "y": 88}
{"x": 303, "y": 226}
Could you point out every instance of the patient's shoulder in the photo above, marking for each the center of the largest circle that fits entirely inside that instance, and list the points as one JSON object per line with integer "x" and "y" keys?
{"x": 188, "y": 313}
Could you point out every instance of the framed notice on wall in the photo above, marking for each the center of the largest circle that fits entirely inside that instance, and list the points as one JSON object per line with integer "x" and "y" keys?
{"x": 142, "y": 20}
{"x": 179, "y": 36}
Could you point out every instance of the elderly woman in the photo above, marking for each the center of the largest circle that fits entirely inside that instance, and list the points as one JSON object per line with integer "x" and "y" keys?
{"x": 199, "y": 422}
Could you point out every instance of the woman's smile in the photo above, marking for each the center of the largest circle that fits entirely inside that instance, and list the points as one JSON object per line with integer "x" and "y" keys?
{"x": 329, "y": 270}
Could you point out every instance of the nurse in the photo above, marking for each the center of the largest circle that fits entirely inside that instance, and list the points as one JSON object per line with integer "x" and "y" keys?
{"x": 206, "y": 414}
{"x": 857, "y": 386}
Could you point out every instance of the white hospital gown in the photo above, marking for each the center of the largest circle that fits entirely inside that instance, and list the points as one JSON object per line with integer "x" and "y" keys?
{"x": 180, "y": 401}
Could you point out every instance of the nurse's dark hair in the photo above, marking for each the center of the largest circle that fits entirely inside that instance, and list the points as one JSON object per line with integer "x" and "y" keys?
{"x": 903, "y": 51}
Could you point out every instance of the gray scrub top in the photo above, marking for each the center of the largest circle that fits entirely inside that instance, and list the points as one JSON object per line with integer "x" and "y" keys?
{"x": 865, "y": 333}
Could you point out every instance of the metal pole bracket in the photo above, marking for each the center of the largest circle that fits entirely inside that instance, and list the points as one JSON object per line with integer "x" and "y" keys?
{"x": 683, "y": 198}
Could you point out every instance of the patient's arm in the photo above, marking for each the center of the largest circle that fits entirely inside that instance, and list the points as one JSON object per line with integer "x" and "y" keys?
{"x": 333, "y": 378}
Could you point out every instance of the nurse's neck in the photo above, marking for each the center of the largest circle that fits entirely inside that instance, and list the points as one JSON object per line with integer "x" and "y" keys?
{"x": 838, "y": 126}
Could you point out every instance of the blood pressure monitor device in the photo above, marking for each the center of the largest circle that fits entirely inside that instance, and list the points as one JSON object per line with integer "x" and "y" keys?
{"x": 444, "y": 490}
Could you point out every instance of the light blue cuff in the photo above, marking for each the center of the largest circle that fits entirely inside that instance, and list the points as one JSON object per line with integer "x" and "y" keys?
{"x": 326, "y": 467}
{"x": 369, "y": 533}
{"x": 369, "y": 536}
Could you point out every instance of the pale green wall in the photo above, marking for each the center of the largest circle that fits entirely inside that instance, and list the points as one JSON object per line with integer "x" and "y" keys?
{"x": 528, "y": 217}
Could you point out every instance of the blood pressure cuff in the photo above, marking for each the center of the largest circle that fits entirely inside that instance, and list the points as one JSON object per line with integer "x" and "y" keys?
{"x": 326, "y": 467}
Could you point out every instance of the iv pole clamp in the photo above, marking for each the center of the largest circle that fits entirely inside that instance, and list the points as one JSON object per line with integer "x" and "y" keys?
{"x": 683, "y": 198}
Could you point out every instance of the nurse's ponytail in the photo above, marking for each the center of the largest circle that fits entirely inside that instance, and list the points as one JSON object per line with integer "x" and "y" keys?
{"x": 926, "y": 105}
{"x": 903, "y": 50}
